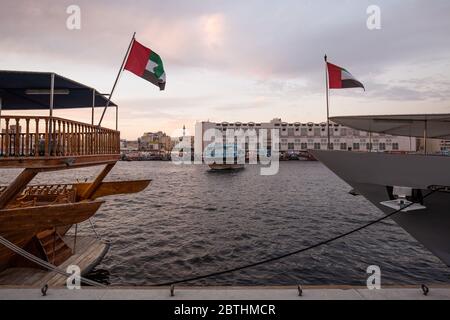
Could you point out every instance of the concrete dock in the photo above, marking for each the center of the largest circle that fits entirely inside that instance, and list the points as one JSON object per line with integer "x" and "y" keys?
{"x": 227, "y": 293}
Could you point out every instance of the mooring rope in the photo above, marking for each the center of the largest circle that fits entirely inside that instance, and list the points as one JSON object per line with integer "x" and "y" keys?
{"x": 269, "y": 260}
{"x": 43, "y": 263}
{"x": 52, "y": 267}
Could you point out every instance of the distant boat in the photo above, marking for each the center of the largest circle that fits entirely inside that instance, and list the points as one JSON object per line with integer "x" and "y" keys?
{"x": 224, "y": 166}
{"x": 218, "y": 157}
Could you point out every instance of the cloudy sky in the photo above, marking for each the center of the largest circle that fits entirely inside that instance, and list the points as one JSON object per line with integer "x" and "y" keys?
{"x": 245, "y": 60}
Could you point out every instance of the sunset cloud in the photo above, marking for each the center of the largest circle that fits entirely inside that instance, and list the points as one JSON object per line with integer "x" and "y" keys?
{"x": 222, "y": 57}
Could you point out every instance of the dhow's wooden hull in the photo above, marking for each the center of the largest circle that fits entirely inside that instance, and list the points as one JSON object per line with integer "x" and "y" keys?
{"x": 113, "y": 188}
{"x": 20, "y": 225}
{"x": 35, "y": 219}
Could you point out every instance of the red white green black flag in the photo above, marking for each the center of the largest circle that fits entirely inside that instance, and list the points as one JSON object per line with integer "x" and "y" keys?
{"x": 339, "y": 78}
{"x": 146, "y": 64}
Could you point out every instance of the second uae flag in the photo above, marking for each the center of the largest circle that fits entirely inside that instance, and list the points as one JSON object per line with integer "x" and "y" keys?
{"x": 146, "y": 64}
{"x": 339, "y": 78}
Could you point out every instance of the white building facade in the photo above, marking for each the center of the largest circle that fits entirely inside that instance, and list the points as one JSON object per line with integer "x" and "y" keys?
{"x": 298, "y": 137}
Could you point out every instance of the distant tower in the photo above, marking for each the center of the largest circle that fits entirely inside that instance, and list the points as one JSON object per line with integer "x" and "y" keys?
{"x": 184, "y": 133}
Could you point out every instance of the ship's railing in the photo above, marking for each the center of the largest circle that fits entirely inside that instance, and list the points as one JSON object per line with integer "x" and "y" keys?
{"x": 36, "y": 136}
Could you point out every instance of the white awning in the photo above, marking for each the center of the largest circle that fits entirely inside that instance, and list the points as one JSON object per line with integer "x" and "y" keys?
{"x": 437, "y": 126}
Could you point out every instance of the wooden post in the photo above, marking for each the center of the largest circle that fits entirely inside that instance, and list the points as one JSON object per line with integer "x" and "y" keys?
{"x": 98, "y": 180}
{"x": 8, "y": 138}
{"x": 36, "y": 139}
{"x": 93, "y": 106}
{"x": 27, "y": 138}
{"x": 17, "y": 139}
{"x": 17, "y": 186}
{"x": 75, "y": 239}
{"x": 50, "y": 128}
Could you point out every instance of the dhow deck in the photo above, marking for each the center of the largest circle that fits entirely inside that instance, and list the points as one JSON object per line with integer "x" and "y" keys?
{"x": 89, "y": 251}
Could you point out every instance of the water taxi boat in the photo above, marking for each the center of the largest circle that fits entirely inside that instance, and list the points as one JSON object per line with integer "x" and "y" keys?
{"x": 225, "y": 157}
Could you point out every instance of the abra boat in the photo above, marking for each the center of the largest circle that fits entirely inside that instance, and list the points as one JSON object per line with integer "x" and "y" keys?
{"x": 37, "y": 217}
{"x": 226, "y": 157}
{"x": 224, "y": 166}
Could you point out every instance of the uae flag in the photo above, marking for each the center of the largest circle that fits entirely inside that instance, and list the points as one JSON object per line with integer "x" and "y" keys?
{"x": 339, "y": 78}
{"x": 146, "y": 64}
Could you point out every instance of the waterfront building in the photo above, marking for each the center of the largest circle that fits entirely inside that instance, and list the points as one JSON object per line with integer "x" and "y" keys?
{"x": 155, "y": 142}
{"x": 298, "y": 136}
{"x": 129, "y": 145}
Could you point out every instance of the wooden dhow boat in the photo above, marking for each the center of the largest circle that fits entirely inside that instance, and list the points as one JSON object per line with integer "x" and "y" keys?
{"x": 37, "y": 217}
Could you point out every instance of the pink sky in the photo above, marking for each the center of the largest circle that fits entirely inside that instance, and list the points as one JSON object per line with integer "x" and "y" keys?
{"x": 238, "y": 60}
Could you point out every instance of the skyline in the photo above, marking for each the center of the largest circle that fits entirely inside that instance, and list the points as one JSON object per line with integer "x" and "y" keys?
{"x": 223, "y": 66}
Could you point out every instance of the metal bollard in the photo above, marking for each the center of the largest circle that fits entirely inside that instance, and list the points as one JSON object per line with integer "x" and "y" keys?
{"x": 44, "y": 290}
{"x": 425, "y": 290}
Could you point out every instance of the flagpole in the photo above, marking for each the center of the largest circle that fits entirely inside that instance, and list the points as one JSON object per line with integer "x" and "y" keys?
{"x": 328, "y": 107}
{"x": 117, "y": 79}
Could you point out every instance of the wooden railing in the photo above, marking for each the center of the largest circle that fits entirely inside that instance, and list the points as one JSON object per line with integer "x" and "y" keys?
{"x": 23, "y": 136}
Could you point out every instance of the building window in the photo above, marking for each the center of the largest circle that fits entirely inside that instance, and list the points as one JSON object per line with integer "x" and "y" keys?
{"x": 304, "y": 146}
{"x": 382, "y": 146}
{"x": 356, "y": 146}
{"x": 316, "y": 146}
{"x": 291, "y": 146}
{"x": 395, "y": 146}
{"x": 343, "y": 146}
{"x": 369, "y": 146}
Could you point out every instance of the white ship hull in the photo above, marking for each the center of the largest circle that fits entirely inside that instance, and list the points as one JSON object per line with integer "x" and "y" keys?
{"x": 374, "y": 174}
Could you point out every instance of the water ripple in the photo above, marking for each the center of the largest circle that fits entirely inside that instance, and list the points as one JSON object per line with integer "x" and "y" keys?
{"x": 191, "y": 222}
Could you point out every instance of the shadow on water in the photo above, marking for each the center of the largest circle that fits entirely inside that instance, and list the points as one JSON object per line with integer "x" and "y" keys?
{"x": 98, "y": 275}
{"x": 224, "y": 172}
